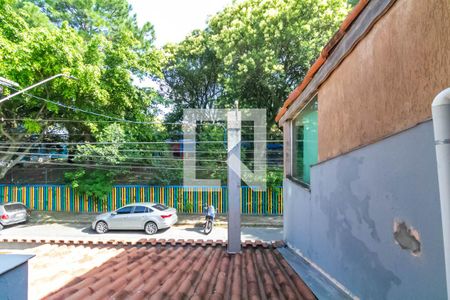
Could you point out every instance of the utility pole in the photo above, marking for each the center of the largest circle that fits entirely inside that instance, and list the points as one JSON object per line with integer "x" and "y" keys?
{"x": 441, "y": 123}
{"x": 234, "y": 181}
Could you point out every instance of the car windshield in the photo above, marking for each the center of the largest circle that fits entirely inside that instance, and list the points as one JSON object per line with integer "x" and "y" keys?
{"x": 12, "y": 207}
{"x": 160, "y": 207}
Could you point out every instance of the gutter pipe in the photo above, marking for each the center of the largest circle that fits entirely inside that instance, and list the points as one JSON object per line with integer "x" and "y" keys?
{"x": 441, "y": 123}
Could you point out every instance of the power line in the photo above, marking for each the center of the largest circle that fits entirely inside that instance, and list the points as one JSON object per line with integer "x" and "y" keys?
{"x": 106, "y": 121}
{"x": 133, "y": 143}
{"x": 72, "y": 168}
{"x": 75, "y": 167}
{"x": 167, "y": 135}
{"x": 90, "y": 112}
{"x": 221, "y": 124}
{"x": 107, "y": 167}
{"x": 107, "y": 143}
{"x": 180, "y": 151}
{"x": 125, "y": 150}
{"x": 116, "y": 119}
{"x": 101, "y": 156}
{"x": 118, "y": 166}
{"x": 181, "y": 160}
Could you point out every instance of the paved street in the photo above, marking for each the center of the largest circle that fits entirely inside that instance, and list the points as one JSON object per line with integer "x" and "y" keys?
{"x": 48, "y": 217}
{"x": 84, "y": 232}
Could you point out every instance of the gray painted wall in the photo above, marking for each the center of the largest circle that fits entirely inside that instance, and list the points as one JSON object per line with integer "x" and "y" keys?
{"x": 14, "y": 283}
{"x": 345, "y": 224}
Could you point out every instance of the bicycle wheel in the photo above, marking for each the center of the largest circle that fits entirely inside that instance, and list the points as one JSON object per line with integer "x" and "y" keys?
{"x": 208, "y": 226}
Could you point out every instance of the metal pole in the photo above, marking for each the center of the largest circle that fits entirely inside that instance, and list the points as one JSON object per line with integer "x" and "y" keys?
{"x": 234, "y": 181}
{"x": 7, "y": 82}
{"x": 441, "y": 122}
{"x": 35, "y": 85}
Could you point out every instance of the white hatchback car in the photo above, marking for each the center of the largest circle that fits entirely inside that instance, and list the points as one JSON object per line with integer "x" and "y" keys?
{"x": 13, "y": 213}
{"x": 146, "y": 216}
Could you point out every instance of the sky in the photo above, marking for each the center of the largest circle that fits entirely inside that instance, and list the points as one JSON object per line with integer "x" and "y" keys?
{"x": 174, "y": 19}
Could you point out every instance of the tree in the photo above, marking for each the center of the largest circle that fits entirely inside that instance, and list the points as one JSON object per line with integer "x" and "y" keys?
{"x": 191, "y": 71}
{"x": 89, "y": 17}
{"x": 254, "y": 51}
{"x": 96, "y": 184}
{"x": 268, "y": 46}
{"x": 100, "y": 43}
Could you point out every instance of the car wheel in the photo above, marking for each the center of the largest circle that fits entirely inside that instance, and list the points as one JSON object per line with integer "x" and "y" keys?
{"x": 101, "y": 227}
{"x": 151, "y": 228}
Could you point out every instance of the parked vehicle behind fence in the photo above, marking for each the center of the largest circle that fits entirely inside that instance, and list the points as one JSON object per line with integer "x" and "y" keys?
{"x": 13, "y": 213}
{"x": 146, "y": 216}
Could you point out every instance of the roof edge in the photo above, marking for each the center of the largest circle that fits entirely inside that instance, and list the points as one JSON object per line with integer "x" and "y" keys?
{"x": 356, "y": 11}
{"x": 147, "y": 242}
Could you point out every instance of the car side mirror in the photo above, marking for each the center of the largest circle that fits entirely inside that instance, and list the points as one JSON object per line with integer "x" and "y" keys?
{"x": 113, "y": 213}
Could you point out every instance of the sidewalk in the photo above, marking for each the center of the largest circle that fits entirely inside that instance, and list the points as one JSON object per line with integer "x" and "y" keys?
{"x": 46, "y": 217}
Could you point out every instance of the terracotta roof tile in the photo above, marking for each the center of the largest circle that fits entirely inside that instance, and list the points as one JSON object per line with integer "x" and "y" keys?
{"x": 188, "y": 270}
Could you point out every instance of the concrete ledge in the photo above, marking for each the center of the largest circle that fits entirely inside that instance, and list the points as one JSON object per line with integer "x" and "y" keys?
{"x": 7, "y": 243}
{"x": 321, "y": 285}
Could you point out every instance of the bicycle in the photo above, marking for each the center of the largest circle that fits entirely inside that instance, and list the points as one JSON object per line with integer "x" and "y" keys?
{"x": 209, "y": 217}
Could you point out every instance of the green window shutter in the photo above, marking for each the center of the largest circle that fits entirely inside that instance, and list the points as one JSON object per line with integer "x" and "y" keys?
{"x": 305, "y": 141}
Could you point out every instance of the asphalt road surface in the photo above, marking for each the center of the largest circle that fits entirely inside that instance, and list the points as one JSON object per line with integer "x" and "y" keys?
{"x": 84, "y": 232}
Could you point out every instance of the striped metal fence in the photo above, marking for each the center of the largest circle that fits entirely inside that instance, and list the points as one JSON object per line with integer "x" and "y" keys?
{"x": 184, "y": 199}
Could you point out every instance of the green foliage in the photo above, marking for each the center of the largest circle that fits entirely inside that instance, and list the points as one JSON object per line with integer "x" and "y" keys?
{"x": 254, "y": 51}
{"x": 212, "y": 156}
{"x": 188, "y": 208}
{"x": 96, "y": 184}
{"x": 191, "y": 73}
{"x": 97, "y": 41}
{"x": 103, "y": 153}
{"x": 274, "y": 177}
{"x": 32, "y": 126}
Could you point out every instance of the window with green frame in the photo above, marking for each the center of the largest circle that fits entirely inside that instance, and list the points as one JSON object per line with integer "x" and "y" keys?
{"x": 304, "y": 142}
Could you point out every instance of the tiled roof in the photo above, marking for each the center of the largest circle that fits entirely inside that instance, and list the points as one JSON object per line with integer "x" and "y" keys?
{"x": 160, "y": 269}
{"x": 322, "y": 57}
{"x": 55, "y": 265}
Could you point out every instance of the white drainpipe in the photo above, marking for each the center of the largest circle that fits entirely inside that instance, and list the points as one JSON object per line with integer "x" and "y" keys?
{"x": 441, "y": 123}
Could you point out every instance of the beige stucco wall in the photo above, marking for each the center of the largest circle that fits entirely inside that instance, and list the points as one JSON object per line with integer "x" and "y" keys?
{"x": 388, "y": 82}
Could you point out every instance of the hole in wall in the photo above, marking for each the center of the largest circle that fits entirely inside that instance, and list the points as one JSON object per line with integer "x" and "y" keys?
{"x": 407, "y": 237}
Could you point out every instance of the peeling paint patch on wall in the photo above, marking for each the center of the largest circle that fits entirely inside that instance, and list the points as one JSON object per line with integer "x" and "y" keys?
{"x": 407, "y": 237}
